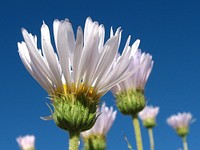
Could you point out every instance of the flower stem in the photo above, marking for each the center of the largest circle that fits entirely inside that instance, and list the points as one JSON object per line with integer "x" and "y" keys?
{"x": 185, "y": 146}
{"x": 151, "y": 139}
{"x": 73, "y": 140}
{"x": 138, "y": 136}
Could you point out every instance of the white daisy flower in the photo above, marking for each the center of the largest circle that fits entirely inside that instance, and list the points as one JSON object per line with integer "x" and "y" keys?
{"x": 130, "y": 92}
{"x": 81, "y": 64}
{"x": 138, "y": 80}
{"x": 103, "y": 123}
{"x": 149, "y": 112}
{"x": 26, "y": 142}
{"x": 180, "y": 120}
{"x": 180, "y": 123}
{"x": 148, "y": 116}
{"x": 82, "y": 70}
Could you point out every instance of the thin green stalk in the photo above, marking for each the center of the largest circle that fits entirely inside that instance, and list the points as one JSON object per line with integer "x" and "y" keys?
{"x": 73, "y": 140}
{"x": 185, "y": 146}
{"x": 151, "y": 139}
{"x": 138, "y": 136}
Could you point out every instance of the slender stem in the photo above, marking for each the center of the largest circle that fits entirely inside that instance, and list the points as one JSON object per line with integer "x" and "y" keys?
{"x": 151, "y": 139}
{"x": 73, "y": 140}
{"x": 138, "y": 136}
{"x": 185, "y": 146}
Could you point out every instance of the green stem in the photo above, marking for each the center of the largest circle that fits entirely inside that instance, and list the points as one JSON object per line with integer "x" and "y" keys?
{"x": 151, "y": 139}
{"x": 73, "y": 140}
{"x": 185, "y": 146}
{"x": 138, "y": 136}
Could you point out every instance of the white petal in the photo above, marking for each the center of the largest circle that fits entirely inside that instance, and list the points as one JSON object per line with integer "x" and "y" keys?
{"x": 29, "y": 62}
{"x": 134, "y": 47}
{"x": 77, "y": 55}
{"x": 126, "y": 47}
{"x": 46, "y": 118}
{"x": 92, "y": 56}
{"x": 50, "y": 55}
{"x": 55, "y": 31}
{"x": 35, "y": 54}
{"x": 110, "y": 82}
{"x": 90, "y": 47}
{"x": 107, "y": 57}
{"x": 63, "y": 50}
{"x": 101, "y": 36}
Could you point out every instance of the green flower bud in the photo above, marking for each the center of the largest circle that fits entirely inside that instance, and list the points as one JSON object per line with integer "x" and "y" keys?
{"x": 95, "y": 142}
{"x": 149, "y": 123}
{"x": 182, "y": 131}
{"x": 74, "y": 112}
{"x": 131, "y": 101}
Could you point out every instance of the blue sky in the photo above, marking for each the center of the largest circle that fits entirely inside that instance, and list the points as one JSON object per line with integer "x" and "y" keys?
{"x": 169, "y": 30}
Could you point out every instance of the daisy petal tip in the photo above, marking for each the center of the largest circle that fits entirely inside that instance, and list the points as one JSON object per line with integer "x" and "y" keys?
{"x": 89, "y": 18}
{"x": 23, "y": 30}
{"x": 56, "y": 21}
{"x": 46, "y": 118}
{"x": 66, "y": 19}
{"x": 138, "y": 41}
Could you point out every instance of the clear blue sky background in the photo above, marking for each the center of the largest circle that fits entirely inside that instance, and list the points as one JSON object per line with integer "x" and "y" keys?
{"x": 169, "y": 30}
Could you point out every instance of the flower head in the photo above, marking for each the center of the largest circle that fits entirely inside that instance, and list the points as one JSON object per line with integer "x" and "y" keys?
{"x": 103, "y": 123}
{"x": 130, "y": 92}
{"x": 95, "y": 137}
{"x": 82, "y": 70}
{"x": 26, "y": 142}
{"x": 80, "y": 65}
{"x": 180, "y": 123}
{"x": 138, "y": 80}
{"x": 148, "y": 116}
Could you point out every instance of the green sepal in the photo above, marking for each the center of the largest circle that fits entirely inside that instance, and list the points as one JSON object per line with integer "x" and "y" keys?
{"x": 74, "y": 112}
{"x": 182, "y": 131}
{"x": 131, "y": 101}
{"x": 149, "y": 123}
{"x": 95, "y": 142}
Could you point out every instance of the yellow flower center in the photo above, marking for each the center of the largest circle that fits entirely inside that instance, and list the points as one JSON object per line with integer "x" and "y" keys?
{"x": 75, "y": 89}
